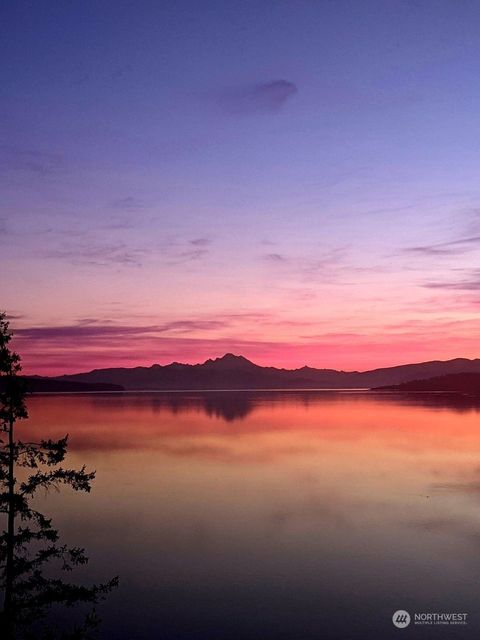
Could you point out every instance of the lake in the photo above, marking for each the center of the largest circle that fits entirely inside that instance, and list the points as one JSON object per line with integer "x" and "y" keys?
{"x": 258, "y": 515}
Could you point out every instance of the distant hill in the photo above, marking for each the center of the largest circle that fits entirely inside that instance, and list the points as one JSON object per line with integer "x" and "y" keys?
{"x": 37, "y": 384}
{"x": 454, "y": 382}
{"x": 236, "y": 372}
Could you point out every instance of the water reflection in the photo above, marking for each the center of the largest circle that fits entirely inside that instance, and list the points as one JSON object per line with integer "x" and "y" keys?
{"x": 237, "y": 405}
{"x": 276, "y": 515}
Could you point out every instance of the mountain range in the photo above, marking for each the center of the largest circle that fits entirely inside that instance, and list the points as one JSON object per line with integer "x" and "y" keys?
{"x": 236, "y": 372}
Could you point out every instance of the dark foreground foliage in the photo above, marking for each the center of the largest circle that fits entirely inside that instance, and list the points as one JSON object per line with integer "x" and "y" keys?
{"x": 33, "y": 562}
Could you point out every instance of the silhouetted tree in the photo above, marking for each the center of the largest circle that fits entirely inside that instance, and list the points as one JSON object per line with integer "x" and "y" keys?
{"x": 29, "y": 543}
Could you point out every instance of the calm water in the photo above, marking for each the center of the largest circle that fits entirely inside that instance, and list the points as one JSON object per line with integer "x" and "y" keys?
{"x": 255, "y": 515}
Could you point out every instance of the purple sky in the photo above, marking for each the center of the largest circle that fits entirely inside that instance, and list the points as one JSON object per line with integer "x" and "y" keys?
{"x": 294, "y": 181}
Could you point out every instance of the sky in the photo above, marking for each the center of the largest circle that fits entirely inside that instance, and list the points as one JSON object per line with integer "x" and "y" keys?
{"x": 293, "y": 181}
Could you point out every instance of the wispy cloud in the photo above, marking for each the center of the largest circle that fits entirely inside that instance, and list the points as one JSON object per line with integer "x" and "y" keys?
{"x": 177, "y": 252}
{"x": 100, "y": 255}
{"x": 128, "y": 203}
{"x": 453, "y": 247}
{"x": 275, "y": 257}
{"x": 89, "y": 328}
{"x": 329, "y": 264}
{"x": 15, "y": 230}
{"x": 200, "y": 242}
{"x": 84, "y": 247}
{"x": 470, "y": 282}
{"x": 265, "y": 97}
{"x": 190, "y": 255}
{"x": 30, "y": 161}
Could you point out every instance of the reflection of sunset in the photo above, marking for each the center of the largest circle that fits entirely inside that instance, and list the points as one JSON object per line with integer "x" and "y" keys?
{"x": 347, "y": 440}
{"x": 332, "y": 490}
{"x": 148, "y": 421}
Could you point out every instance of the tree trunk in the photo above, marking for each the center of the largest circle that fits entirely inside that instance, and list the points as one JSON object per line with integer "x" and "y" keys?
{"x": 8, "y": 606}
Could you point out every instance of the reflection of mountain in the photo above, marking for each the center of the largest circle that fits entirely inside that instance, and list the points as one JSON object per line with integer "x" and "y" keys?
{"x": 229, "y": 407}
{"x": 237, "y": 406}
{"x": 226, "y": 405}
{"x": 236, "y": 372}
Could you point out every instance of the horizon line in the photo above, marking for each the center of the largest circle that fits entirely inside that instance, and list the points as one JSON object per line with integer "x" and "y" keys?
{"x": 215, "y": 359}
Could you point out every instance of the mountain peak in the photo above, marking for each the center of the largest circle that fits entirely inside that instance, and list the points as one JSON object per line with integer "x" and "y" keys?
{"x": 232, "y": 357}
{"x": 229, "y": 361}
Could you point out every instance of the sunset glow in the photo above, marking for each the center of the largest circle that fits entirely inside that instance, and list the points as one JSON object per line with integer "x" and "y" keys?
{"x": 296, "y": 183}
